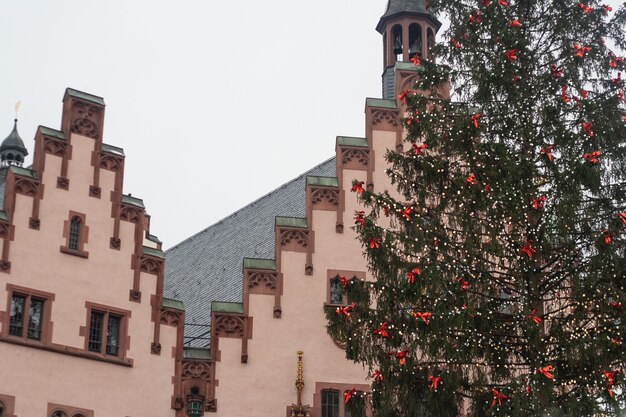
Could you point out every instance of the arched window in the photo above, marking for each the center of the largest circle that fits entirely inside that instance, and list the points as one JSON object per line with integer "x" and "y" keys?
{"x": 74, "y": 238}
{"x": 330, "y": 403}
{"x": 336, "y": 291}
{"x": 430, "y": 43}
{"x": 78, "y": 415}
{"x": 58, "y": 413}
{"x": 415, "y": 40}
{"x": 396, "y": 33}
{"x": 1, "y": 409}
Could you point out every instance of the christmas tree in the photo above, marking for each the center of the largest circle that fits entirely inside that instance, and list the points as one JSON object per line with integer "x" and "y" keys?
{"x": 500, "y": 264}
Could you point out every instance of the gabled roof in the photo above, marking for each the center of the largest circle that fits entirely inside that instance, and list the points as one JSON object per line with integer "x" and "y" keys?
{"x": 207, "y": 266}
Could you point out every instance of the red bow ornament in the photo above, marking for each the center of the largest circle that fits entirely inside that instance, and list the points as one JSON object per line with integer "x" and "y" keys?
{"x": 377, "y": 377}
{"x": 592, "y": 157}
{"x": 610, "y": 380}
{"x": 410, "y": 276}
{"x": 546, "y": 371}
{"x": 587, "y": 127}
{"x": 416, "y": 60}
{"x": 344, "y": 281}
{"x": 360, "y": 218}
{"x": 474, "y": 18}
{"x": 606, "y": 237}
{"x": 349, "y": 394}
{"x": 564, "y": 95}
{"x": 498, "y": 397}
{"x": 465, "y": 285}
{"x": 528, "y": 250}
{"x": 434, "y": 382}
{"x": 406, "y": 93}
{"x": 357, "y": 186}
{"x": 374, "y": 243}
{"x": 455, "y": 44}
{"x": 586, "y": 9}
{"x": 401, "y": 356}
{"x": 556, "y": 72}
{"x": 425, "y": 317}
{"x": 515, "y": 24}
{"x": 622, "y": 217}
{"x": 538, "y": 202}
{"x": 406, "y": 213}
{"x": 607, "y": 8}
{"x": 417, "y": 150}
{"x": 511, "y": 55}
{"x": 581, "y": 50}
{"x": 503, "y": 3}
{"x": 548, "y": 152}
{"x": 345, "y": 310}
{"x": 534, "y": 317}
{"x": 382, "y": 330}
{"x": 474, "y": 119}
{"x": 471, "y": 179}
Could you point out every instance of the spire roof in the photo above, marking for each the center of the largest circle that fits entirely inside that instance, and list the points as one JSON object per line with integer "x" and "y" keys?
{"x": 14, "y": 142}
{"x": 398, "y": 7}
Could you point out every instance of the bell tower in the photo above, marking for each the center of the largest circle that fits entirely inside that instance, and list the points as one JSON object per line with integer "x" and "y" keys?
{"x": 408, "y": 28}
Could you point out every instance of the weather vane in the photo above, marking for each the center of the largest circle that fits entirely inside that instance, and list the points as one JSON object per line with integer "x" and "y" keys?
{"x": 17, "y": 108}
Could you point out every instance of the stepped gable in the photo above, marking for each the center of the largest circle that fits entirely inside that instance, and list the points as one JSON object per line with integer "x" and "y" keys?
{"x": 208, "y": 266}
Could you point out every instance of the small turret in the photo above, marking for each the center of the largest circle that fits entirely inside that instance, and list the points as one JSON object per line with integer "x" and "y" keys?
{"x": 12, "y": 149}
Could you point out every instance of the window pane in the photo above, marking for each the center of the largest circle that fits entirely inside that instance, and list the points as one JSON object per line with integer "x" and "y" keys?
{"x": 16, "y": 323}
{"x": 34, "y": 319}
{"x": 74, "y": 233}
{"x": 113, "y": 335}
{"x": 95, "y": 331}
{"x": 336, "y": 291}
{"x": 330, "y": 404}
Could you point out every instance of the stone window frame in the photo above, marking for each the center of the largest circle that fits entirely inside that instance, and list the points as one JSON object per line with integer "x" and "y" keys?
{"x": 8, "y": 401}
{"x": 46, "y": 322}
{"x": 69, "y": 410}
{"x": 124, "y": 338}
{"x": 84, "y": 235}
{"x": 341, "y": 387}
{"x": 333, "y": 274}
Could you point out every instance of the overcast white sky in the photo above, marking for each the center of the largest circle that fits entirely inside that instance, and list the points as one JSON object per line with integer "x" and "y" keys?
{"x": 215, "y": 103}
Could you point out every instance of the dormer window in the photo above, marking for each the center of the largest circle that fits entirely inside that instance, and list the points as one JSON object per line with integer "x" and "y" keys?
{"x": 75, "y": 232}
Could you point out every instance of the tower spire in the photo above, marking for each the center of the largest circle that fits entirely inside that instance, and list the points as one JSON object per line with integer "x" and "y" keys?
{"x": 12, "y": 149}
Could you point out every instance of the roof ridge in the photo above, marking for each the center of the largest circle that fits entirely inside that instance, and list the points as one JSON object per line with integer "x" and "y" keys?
{"x": 252, "y": 203}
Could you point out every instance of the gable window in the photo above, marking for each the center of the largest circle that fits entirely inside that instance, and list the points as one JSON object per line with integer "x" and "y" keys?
{"x": 74, "y": 239}
{"x": 29, "y": 312}
{"x": 58, "y": 413}
{"x": 336, "y": 291}
{"x": 75, "y": 233}
{"x": 330, "y": 403}
{"x": 58, "y": 410}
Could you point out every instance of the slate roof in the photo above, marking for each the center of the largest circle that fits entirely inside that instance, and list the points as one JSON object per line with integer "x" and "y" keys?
{"x": 207, "y": 266}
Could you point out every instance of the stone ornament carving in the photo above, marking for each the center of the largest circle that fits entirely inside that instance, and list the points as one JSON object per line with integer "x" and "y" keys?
{"x": 84, "y": 119}
{"x": 5, "y": 266}
{"x": 34, "y": 223}
{"x": 116, "y": 243}
{"x": 155, "y": 348}
{"x": 197, "y": 370}
{"x": 211, "y": 406}
{"x": 110, "y": 162}
{"x": 150, "y": 265}
{"x": 4, "y": 230}
{"x": 357, "y": 156}
{"x": 171, "y": 318}
{"x": 94, "y": 191}
{"x": 54, "y": 147}
{"x": 63, "y": 183}
{"x": 321, "y": 195}
{"x": 135, "y": 295}
{"x": 130, "y": 214}
{"x": 385, "y": 116}
{"x": 263, "y": 279}
{"x": 229, "y": 326}
{"x": 26, "y": 186}
{"x": 297, "y": 237}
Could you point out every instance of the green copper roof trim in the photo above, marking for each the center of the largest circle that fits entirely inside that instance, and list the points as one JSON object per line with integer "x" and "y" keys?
{"x": 407, "y": 66}
{"x": 4, "y": 215}
{"x": 352, "y": 141}
{"x": 382, "y": 103}
{"x": 291, "y": 222}
{"x": 220, "y": 307}
{"x": 153, "y": 252}
{"x": 85, "y": 96}
{"x": 132, "y": 200}
{"x": 254, "y": 263}
{"x": 52, "y": 132}
{"x": 322, "y": 181}
{"x": 152, "y": 238}
{"x": 196, "y": 353}
{"x": 175, "y": 304}
{"x": 112, "y": 149}
{"x": 24, "y": 172}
